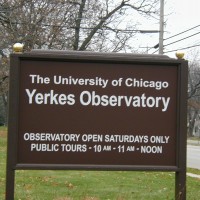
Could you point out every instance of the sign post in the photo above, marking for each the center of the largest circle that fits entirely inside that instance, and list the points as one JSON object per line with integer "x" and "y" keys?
{"x": 83, "y": 110}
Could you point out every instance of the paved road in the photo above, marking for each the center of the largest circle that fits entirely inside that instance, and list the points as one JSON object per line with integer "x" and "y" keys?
{"x": 193, "y": 156}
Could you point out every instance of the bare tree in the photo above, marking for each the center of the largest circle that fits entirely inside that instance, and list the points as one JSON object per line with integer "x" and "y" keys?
{"x": 95, "y": 25}
{"x": 193, "y": 93}
{"x": 36, "y": 23}
{"x": 98, "y": 23}
{"x": 3, "y": 86}
{"x": 72, "y": 24}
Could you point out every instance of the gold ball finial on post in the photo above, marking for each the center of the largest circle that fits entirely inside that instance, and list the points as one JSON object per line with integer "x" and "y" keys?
{"x": 180, "y": 55}
{"x": 18, "y": 48}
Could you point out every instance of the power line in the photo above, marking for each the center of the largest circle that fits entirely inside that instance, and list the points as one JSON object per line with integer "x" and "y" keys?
{"x": 157, "y": 45}
{"x": 182, "y": 48}
{"x": 182, "y": 39}
{"x": 91, "y": 28}
{"x": 182, "y": 32}
{"x": 156, "y": 51}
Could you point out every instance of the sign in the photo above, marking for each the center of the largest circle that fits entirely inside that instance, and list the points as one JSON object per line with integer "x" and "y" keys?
{"x": 82, "y": 110}
{"x": 97, "y": 113}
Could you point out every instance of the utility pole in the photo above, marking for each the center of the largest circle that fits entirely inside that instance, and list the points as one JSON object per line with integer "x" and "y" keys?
{"x": 161, "y": 27}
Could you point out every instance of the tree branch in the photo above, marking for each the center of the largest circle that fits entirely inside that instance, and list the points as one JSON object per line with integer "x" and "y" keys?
{"x": 3, "y": 79}
{"x": 98, "y": 26}
{"x": 78, "y": 24}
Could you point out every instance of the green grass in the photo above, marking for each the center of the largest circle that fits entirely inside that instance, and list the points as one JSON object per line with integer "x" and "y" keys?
{"x": 3, "y": 141}
{"x": 3, "y": 128}
{"x": 193, "y": 138}
{"x": 93, "y": 185}
{"x": 194, "y": 171}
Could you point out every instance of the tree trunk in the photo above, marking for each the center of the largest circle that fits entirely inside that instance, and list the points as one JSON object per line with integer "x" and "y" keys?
{"x": 5, "y": 103}
{"x": 192, "y": 118}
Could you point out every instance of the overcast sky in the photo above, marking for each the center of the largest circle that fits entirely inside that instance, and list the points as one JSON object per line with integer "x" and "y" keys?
{"x": 180, "y": 15}
{"x": 185, "y": 15}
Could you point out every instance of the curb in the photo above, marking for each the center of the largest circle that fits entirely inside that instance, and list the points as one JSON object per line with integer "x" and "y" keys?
{"x": 193, "y": 175}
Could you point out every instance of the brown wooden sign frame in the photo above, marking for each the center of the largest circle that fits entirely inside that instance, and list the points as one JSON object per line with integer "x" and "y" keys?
{"x": 13, "y": 157}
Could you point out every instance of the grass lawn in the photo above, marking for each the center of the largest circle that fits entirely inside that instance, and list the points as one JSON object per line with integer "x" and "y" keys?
{"x": 92, "y": 185}
{"x": 194, "y": 138}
